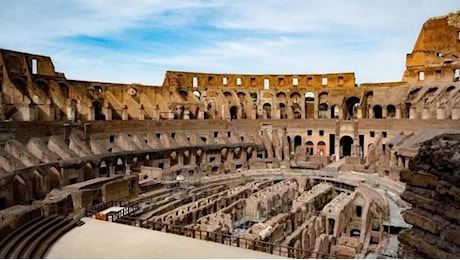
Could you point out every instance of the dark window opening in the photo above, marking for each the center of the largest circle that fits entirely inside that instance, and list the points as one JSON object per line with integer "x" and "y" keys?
{"x": 112, "y": 138}
{"x": 173, "y": 135}
{"x": 372, "y": 133}
{"x": 229, "y": 134}
{"x": 161, "y": 165}
{"x": 384, "y": 134}
{"x": 73, "y": 180}
{"x": 215, "y": 134}
{"x": 359, "y": 211}
{"x": 2, "y": 203}
{"x": 309, "y": 132}
{"x": 331, "y": 225}
{"x": 321, "y": 132}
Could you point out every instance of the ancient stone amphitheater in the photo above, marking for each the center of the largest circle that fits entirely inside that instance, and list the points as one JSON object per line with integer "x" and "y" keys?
{"x": 301, "y": 166}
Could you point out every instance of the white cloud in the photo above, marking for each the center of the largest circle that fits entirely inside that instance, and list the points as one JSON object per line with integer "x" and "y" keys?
{"x": 271, "y": 36}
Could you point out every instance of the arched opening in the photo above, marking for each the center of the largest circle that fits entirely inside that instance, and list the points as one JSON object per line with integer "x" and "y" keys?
{"x": 346, "y": 143}
{"x": 355, "y": 233}
{"x": 283, "y": 114}
{"x": 97, "y": 107}
{"x": 234, "y": 112}
{"x": 197, "y": 94}
{"x": 183, "y": 93}
{"x": 42, "y": 85}
{"x": 21, "y": 86}
{"x": 413, "y": 94}
{"x": 297, "y": 142}
{"x": 267, "y": 111}
{"x": 297, "y": 111}
{"x": 321, "y": 148}
{"x": 309, "y": 97}
{"x": 334, "y": 111}
{"x": 88, "y": 172}
{"x": 309, "y": 105}
{"x": 352, "y": 105}
{"x": 54, "y": 178}
{"x": 120, "y": 167}
{"x": 65, "y": 89}
{"x": 323, "y": 108}
{"x": 377, "y": 112}
{"x": 391, "y": 111}
{"x": 309, "y": 147}
{"x": 103, "y": 169}
{"x": 97, "y": 89}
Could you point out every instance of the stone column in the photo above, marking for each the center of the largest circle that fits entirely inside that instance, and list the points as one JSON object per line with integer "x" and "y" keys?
{"x": 412, "y": 113}
{"x": 186, "y": 114}
{"x": 456, "y": 113}
{"x": 426, "y": 113}
{"x": 384, "y": 113}
{"x": 360, "y": 113}
{"x": 398, "y": 113}
{"x": 141, "y": 113}
{"x": 339, "y": 110}
{"x": 124, "y": 113}
{"x": 440, "y": 113}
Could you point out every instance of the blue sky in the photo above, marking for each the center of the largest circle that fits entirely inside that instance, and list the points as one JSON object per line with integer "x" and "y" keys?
{"x": 137, "y": 41}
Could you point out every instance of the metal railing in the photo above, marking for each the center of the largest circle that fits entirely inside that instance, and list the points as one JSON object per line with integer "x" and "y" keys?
{"x": 225, "y": 239}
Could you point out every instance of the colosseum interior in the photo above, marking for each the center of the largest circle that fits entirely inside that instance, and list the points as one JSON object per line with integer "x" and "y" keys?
{"x": 252, "y": 166}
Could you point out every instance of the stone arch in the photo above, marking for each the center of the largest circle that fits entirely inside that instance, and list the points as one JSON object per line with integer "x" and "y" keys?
{"x": 321, "y": 148}
{"x": 42, "y": 85}
{"x": 39, "y": 188}
{"x": 64, "y": 89}
{"x": 197, "y": 94}
{"x": 22, "y": 191}
{"x": 282, "y": 107}
{"x": 54, "y": 177}
{"x": 296, "y": 111}
{"x": 120, "y": 166}
{"x": 297, "y": 142}
{"x": 88, "y": 172}
{"x": 267, "y": 111}
{"x": 334, "y": 111}
{"x": 310, "y": 147}
{"x": 281, "y": 95}
{"x": 413, "y": 93}
{"x": 323, "y": 109}
{"x": 97, "y": 109}
{"x": 103, "y": 169}
{"x": 378, "y": 114}
{"x": 227, "y": 94}
{"x": 183, "y": 93}
{"x": 346, "y": 146}
{"x": 310, "y": 96}
{"x": 233, "y": 112}
{"x": 21, "y": 86}
{"x": 391, "y": 111}
{"x": 351, "y": 107}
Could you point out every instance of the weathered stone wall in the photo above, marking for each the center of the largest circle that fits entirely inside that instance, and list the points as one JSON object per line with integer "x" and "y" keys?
{"x": 433, "y": 189}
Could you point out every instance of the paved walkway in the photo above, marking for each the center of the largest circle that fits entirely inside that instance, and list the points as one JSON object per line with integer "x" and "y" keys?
{"x": 101, "y": 239}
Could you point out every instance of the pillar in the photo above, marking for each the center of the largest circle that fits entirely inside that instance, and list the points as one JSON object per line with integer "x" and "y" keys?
{"x": 412, "y": 113}
{"x": 425, "y": 113}
{"x": 440, "y": 113}
{"x": 398, "y": 113}
{"x": 124, "y": 113}
{"x": 456, "y": 113}
{"x": 141, "y": 112}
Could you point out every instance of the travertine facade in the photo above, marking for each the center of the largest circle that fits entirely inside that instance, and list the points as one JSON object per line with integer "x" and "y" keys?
{"x": 200, "y": 150}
